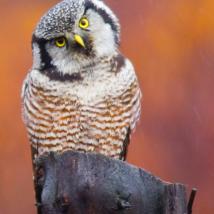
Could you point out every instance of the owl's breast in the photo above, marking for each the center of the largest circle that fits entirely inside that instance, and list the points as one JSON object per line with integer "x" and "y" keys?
{"x": 90, "y": 117}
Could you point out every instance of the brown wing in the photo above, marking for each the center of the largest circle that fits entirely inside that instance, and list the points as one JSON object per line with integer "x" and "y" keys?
{"x": 126, "y": 142}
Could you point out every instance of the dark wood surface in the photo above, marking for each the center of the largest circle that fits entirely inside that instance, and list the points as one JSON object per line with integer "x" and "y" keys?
{"x": 77, "y": 183}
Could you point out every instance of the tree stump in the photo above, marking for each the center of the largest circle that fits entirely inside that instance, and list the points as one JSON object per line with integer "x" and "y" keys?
{"x": 78, "y": 183}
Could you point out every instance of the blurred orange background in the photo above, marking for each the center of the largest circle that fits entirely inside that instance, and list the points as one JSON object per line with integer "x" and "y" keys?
{"x": 171, "y": 43}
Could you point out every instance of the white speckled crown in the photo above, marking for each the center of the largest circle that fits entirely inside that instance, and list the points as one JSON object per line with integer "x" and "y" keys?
{"x": 59, "y": 18}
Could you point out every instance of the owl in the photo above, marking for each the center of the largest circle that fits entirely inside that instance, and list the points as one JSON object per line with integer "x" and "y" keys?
{"x": 81, "y": 93}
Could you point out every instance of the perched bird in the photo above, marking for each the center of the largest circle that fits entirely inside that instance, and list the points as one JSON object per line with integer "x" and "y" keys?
{"x": 81, "y": 94}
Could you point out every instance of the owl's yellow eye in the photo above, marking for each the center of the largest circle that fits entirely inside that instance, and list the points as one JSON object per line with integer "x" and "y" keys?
{"x": 60, "y": 42}
{"x": 84, "y": 23}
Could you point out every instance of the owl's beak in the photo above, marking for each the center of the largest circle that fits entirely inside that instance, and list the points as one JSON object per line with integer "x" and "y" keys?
{"x": 79, "y": 40}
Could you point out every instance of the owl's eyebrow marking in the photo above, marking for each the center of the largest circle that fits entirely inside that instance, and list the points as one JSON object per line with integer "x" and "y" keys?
{"x": 107, "y": 19}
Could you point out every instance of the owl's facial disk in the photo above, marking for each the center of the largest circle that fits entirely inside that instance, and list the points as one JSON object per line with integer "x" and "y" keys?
{"x": 69, "y": 42}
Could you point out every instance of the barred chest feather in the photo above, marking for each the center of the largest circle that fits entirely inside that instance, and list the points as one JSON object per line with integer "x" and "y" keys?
{"x": 94, "y": 114}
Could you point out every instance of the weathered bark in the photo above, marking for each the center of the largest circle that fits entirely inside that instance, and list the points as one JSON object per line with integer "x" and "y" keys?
{"x": 77, "y": 183}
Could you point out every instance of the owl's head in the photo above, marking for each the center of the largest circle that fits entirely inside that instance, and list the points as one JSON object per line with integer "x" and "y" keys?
{"x": 74, "y": 32}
